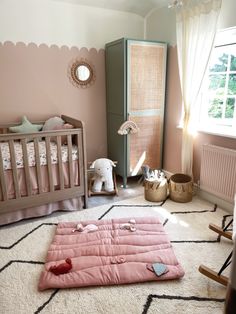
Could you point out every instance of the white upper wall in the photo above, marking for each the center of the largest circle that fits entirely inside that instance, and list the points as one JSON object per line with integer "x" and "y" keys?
{"x": 60, "y": 23}
{"x": 160, "y": 24}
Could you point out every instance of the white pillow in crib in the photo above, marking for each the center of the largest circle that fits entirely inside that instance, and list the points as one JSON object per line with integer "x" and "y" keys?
{"x": 53, "y": 123}
{"x": 63, "y": 137}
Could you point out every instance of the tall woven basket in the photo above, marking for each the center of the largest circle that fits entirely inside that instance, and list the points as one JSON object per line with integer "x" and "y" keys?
{"x": 181, "y": 188}
{"x": 155, "y": 191}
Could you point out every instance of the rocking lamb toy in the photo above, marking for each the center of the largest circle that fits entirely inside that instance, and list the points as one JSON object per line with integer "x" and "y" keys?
{"x": 103, "y": 174}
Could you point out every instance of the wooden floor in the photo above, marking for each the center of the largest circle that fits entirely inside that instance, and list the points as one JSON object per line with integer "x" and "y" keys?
{"x": 134, "y": 188}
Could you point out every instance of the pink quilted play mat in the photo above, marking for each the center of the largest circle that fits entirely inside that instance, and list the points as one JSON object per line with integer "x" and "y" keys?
{"x": 109, "y": 252}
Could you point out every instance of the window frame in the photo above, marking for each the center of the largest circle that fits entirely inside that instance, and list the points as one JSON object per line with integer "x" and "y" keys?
{"x": 223, "y": 38}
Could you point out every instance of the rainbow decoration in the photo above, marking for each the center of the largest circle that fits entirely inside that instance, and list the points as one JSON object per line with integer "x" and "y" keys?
{"x": 128, "y": 127}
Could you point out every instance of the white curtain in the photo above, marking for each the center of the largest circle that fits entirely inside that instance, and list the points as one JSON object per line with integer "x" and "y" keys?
{"x": 196, "y": 23}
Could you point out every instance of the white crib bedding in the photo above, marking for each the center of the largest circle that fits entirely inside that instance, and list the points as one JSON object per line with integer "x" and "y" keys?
{"x": 6, "y": 157}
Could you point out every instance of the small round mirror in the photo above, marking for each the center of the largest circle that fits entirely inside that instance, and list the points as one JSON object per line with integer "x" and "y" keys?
{"x": 81, "y": 73}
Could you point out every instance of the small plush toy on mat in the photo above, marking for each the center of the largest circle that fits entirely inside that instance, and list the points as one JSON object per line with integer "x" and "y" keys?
{"x": 62, "y": 268}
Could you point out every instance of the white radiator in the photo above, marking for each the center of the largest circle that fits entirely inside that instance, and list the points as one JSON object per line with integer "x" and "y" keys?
{"x": 218, "y": 171}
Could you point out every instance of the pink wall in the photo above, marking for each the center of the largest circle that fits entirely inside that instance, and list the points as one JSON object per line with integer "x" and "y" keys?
{"x": 172, "y": 135}
{"x": 172, "y": 138}
{"x": 34, "y": 82}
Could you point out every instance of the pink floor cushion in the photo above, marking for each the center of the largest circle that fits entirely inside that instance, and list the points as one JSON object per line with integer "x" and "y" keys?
{"x": 109, "y": 252}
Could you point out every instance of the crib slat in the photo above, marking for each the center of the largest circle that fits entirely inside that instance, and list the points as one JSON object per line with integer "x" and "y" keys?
{"x": 38, "y": 166}
{"x": 49, "y": 163}
{"x": 82, "y": 165}
{"x": 61, "y": 176}
{"x": 2, "y": 179}
{"x": 14, "y": 169}
{"x": 69, "y": 146}
{"x": 26, "y": 167}
{"x": 80, "y": 157}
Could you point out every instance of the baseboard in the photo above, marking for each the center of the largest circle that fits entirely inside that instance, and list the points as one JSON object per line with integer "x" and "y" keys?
{"x": 229, "y": 207}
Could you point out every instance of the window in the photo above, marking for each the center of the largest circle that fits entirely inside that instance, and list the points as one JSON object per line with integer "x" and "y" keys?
{"x": 218, "y": 97}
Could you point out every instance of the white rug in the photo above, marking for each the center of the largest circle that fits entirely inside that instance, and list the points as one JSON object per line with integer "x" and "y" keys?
{"x": 23, "y": 247}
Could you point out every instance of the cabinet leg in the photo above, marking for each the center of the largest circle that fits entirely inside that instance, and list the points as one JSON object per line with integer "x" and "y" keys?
{"x": 124, "y": 186}
{"x": 85, "y": 201}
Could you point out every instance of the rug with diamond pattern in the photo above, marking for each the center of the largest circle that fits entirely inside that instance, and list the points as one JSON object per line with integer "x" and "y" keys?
{"x": 23, "y": 248}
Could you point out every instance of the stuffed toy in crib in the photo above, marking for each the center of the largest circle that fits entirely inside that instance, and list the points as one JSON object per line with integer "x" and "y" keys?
{"x": 103, "y": 174}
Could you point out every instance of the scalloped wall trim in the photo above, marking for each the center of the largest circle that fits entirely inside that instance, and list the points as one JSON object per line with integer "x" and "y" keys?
{"x": 53, "y": 46}
{"x": 65, "y": 23}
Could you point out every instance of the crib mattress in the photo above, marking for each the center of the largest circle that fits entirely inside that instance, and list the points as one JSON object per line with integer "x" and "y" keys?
{"x": 109, "y": 252}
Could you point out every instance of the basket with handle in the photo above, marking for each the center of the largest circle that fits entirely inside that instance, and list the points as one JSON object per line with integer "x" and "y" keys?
{"x": 155, "y": 191}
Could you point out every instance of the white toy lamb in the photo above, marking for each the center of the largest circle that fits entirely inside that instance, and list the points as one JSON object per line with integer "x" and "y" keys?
{"x": 103, "y": 173}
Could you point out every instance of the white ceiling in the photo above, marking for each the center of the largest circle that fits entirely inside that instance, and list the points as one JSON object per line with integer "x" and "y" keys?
{"x": 140, "y": 7}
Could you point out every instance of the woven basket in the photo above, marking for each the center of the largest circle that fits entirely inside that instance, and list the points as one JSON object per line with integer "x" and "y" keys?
{"x": 181, "y": 188}
{"x": 154, "y": 191}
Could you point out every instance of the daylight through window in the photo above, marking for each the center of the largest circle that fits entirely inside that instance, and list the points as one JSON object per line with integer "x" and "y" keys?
{"x": 218, "y": 103}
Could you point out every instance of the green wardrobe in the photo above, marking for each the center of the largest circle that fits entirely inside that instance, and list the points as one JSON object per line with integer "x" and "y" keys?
{"x": 135, "y": 85}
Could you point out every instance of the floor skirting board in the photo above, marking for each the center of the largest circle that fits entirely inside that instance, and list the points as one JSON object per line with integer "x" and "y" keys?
{"x": 229, "y": 207}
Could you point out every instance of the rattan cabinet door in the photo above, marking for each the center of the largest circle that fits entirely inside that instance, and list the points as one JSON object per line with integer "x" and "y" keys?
{"x": 146, "y": 73}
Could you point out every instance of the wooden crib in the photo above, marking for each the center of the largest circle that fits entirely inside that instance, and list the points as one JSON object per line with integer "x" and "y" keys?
{"x": 33, "y": 183}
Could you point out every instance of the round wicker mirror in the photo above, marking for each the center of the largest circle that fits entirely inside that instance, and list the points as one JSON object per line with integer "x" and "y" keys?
{"x": 81, "y": 73}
